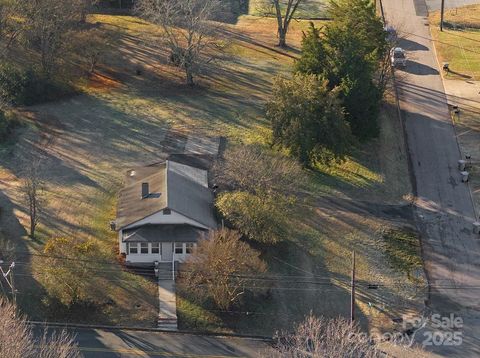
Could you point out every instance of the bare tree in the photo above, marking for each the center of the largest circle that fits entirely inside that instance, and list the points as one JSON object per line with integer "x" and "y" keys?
{"x": 32, "y": 187}
{"x": 257, "y": 170}
{"x": 221, "y": 267}
{"x": 48, "y": 23}
{"x": 87, "y": 7}
{"x": 10, "y": 25}
{"x": 17, "y": 339}
{"x": 91, "y": 45}
{"x": 262, "y": 187}
{"x": 284, "y": 11}
{"x": 188, "y": 29}
{"x": 320, "y": 337}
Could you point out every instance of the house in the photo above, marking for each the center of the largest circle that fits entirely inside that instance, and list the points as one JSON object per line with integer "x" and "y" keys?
{"x": 162, "y": 211}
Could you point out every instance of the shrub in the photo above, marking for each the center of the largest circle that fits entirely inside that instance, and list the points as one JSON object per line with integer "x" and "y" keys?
{"x": 66, "y": 275}
{"x": 263, "y": 218}
{"x": 27, "y": 86}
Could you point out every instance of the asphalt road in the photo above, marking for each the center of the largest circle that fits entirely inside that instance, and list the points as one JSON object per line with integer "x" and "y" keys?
{"x": 444, "y": 209}
{"x": 96, "y": 343}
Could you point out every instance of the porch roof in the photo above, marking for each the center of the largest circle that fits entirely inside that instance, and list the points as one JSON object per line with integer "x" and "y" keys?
{"x": 163, "y": 233}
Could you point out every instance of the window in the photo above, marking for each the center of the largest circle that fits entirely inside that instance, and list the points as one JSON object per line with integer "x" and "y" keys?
{"x": 189, "y": 247}
{"x": 133, "y": 248}
{"x": 144, "y": 248}
{"x": 155, "y": 247}
{"x": 178, "y": 248}
{"x": 167, "y": 211}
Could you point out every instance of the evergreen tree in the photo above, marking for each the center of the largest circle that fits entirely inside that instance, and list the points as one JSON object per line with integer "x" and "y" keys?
{"x": 313, "y": 60}
{"x": 308, "y": 119}
{"x": 347, "y": 54}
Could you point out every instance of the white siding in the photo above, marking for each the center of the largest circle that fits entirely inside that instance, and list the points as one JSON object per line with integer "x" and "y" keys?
{"x": 142, "y": 258}
{"x": 122, "y": 245}
{"x": 151, "y": 258}
{"x": 159, "y": 218}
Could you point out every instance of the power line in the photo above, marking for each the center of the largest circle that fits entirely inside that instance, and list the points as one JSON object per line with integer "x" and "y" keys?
{"x": 329, "y": 284}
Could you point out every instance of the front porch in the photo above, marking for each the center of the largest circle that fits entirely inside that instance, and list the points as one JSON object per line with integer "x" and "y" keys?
{"x": 147, "y": 244}
{"x": 151, "y": 252}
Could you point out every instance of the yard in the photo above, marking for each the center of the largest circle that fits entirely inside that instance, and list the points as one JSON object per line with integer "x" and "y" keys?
{"x": 459, "y": 43}
{"x": 124, "y": 118}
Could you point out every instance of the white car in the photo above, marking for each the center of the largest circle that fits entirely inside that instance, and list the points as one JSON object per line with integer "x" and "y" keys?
{"x": 398, "y": 57}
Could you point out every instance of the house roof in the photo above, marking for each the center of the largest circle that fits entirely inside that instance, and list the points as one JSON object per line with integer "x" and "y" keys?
{"x": 179, "y": 187}
{"x": 163, "y": 233}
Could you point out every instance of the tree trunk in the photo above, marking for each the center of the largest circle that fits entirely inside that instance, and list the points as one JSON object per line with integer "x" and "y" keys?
{"x": 32, "y": 225}
{"x": 282, "y": 37}
{"x": 188, "y": 72}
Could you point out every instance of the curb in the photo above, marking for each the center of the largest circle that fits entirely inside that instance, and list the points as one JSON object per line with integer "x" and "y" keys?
{"x": 451, "y": 117}
{"x": 146, "y": 329}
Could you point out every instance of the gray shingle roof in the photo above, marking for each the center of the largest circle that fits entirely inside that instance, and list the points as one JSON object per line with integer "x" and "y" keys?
{"x": 163, "y": 233}
{"x": 179, "y": 187}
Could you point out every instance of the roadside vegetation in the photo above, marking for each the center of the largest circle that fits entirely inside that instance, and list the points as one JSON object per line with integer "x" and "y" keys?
{"x": 134, "y": 105}
{"x": 459, "y": 43}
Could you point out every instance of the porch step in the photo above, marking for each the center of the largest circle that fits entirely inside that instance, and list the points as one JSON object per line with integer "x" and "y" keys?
{"x": 165, "y": 271}
{"x": 167, "y": 324}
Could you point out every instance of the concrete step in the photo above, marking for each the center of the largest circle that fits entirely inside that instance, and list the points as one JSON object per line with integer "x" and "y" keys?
{"x": 167, "y": 324}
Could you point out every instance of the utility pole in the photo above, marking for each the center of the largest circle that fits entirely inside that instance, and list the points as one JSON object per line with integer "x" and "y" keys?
{"x": 441, "y": 15}
{"x": 12, "y": 284}
{"x": 352, "y": 301}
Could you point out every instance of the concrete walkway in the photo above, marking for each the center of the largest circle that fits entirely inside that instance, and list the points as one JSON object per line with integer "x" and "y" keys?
{"x": 167, "y": 315}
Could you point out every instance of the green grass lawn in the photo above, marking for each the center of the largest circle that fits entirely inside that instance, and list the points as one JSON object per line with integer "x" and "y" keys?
{"x": 459, "y": 43}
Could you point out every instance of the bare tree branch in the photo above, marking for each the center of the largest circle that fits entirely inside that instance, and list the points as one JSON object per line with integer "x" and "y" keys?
{"x": 32, "y": 187}
{"x": 18, "y": 341}
{"x": 284, "y": 11}
{"x": 320, "y": 337}
{"x": 188, "y": 30}
{"x": 218, "y": 268}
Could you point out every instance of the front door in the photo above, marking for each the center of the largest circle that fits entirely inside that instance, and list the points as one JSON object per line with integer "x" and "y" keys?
{"x": 167, "y": 251}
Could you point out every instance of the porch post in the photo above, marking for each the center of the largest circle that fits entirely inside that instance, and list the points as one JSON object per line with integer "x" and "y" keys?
{"x": 173, "y": 261}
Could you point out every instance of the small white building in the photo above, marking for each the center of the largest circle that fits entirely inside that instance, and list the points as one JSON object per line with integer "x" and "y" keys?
{"x": 162, "y": 211}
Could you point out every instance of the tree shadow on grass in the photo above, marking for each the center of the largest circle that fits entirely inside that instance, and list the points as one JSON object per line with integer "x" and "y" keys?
{"x": 28, "y": 290}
